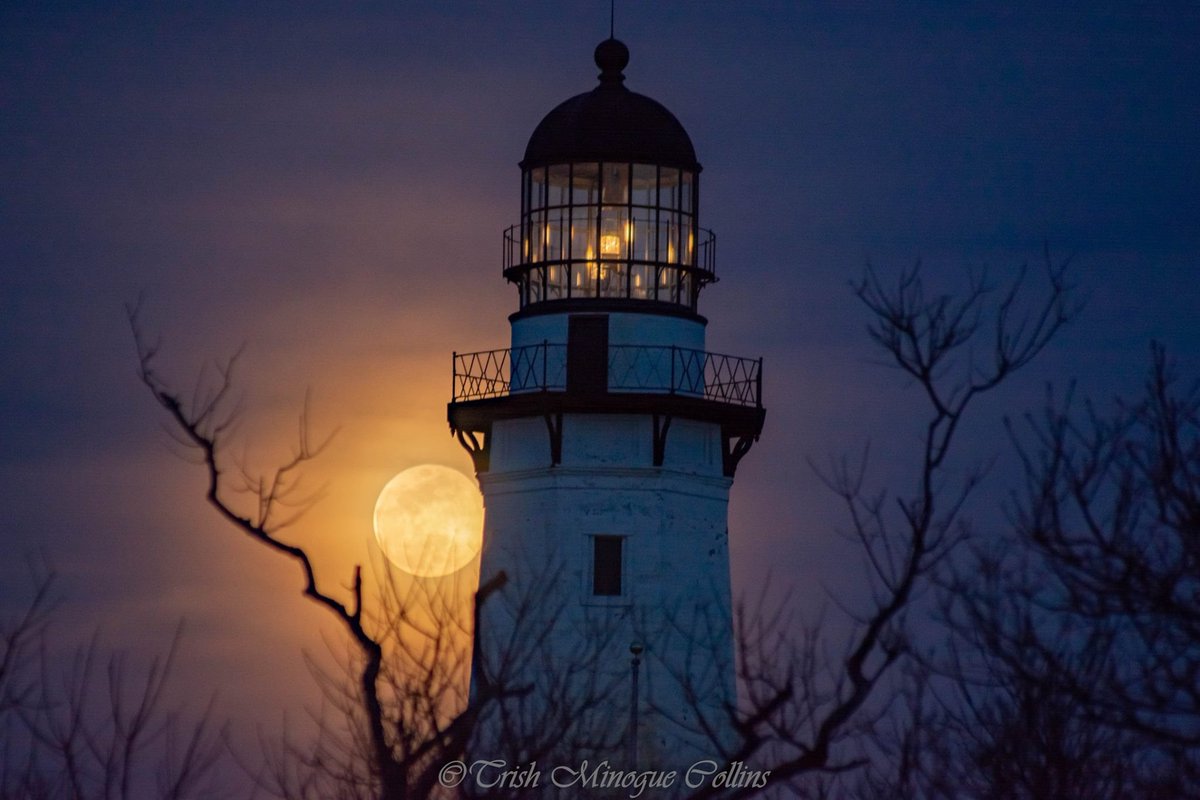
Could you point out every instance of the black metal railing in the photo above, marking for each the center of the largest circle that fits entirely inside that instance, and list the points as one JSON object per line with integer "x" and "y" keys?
{"x": 652, "y": 369}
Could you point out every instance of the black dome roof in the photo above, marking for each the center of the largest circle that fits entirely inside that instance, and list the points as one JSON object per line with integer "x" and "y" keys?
{"x": 610, "y": 123}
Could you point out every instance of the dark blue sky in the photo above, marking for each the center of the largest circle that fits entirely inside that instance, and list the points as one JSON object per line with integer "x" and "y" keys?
{"x": 328, "y": 184}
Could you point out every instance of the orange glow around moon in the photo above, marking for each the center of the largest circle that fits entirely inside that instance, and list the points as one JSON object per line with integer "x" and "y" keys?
{"x": 429, "y": 520}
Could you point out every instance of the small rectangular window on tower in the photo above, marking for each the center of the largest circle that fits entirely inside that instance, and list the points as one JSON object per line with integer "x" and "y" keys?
{"x": 606, "y": 566}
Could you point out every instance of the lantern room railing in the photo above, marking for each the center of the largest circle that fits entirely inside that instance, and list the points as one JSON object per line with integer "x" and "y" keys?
{"x": 650, "y": 369}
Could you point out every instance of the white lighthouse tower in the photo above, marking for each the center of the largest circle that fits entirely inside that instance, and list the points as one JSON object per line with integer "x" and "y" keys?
{"x": 605, "y": 439}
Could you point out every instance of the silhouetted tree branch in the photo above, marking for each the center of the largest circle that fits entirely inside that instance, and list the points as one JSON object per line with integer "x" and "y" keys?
{"x": 1076, "y": 638}
{"x": 85, "y": 726}
{"x": 404, "y": 713}
{"x": 1114, "y": 512}
{"x": 204, "y": 423}
{"x": 805, "y": 713}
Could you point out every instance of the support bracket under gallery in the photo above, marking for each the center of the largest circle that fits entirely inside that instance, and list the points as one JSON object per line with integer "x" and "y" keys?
{"x": 554, "y": 425}
{"x": 478, "y": 445}
{"x": 734, "y": 448}
{"x": 662, "y": 423}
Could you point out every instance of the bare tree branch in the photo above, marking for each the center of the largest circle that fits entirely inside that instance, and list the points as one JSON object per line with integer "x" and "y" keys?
{"x": 801, "y": 724}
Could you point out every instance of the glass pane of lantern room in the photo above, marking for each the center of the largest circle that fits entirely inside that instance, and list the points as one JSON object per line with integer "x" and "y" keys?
{"x": 556, "y": 282}
{"x": 583, "y": 232}
{"x": 556, "y": 234}
{"x": 642, "y": 233}
{"x": 585, "y": 183}
{"x": 668, "y": 237}
{"x": 687, "y": 240}
{"x": 537, "y": 235}
{"x": 538, "y": 189}
{"x": 614, "y": 232}
{"x": 667, "y": 278}
{"x": 613, "y": 279}
{"x": 685, "y": 192}
{"x": 641, "y": 281}
{"x": 645, "y": 184}
{"x": 560, "y": 185}
{"x": 615, "y": 183}
{"x": 584, "y": 278}
{"x": 535, "y": 285}
{"x": 668, "y": 188}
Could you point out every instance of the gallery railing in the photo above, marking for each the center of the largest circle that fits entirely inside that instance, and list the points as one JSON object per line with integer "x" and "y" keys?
{"x": 651, "y": 369}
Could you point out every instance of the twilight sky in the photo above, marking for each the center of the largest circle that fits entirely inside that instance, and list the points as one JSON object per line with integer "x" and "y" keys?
{"x": 328, "y": 184}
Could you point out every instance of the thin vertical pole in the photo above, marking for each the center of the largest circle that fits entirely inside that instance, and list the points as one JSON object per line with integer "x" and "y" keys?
{"x": 758, "y": 400}
{"x": 634, "y": 663}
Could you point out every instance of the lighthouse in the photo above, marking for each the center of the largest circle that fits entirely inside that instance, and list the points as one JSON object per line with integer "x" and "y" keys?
{"x": 606, "y": 438}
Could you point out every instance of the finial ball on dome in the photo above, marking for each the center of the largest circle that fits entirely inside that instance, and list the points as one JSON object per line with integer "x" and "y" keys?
{"x": 611, "y": 57}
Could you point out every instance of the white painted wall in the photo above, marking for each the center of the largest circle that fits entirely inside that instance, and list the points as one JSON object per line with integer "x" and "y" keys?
{"x": 623, "y": 328}
{"x": 539, "y": 525}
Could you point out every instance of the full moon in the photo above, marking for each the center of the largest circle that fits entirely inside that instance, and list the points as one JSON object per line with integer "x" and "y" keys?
{"x": 429, "y": 520}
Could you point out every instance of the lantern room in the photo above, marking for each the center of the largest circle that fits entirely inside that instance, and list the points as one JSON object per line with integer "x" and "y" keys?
{"x": 609, "y": 205}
